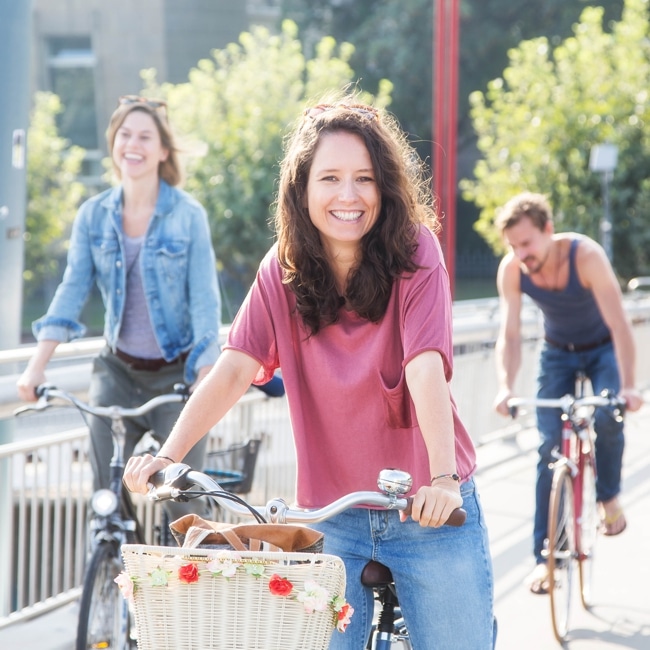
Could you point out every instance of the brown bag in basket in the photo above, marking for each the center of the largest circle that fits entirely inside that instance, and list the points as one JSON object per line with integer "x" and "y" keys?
{"x": 192, "y": 531}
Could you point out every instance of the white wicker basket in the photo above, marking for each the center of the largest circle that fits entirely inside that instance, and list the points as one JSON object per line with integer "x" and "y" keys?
{"x": 217, "y": 612}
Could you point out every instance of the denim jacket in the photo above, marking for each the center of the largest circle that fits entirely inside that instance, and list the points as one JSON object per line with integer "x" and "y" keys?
{"x": 178, "y": 272}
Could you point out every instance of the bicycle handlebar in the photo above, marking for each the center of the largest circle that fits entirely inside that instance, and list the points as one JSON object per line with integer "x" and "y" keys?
{"x": 568, "y": 403}
{"x": 177, "y": 479}
{"x": 46, "y": 393}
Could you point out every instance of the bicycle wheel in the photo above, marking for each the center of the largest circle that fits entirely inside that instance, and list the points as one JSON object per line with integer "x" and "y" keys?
{"x": 589, "y": 523}
{"x": 104, "y": 620}
{"x": 561, "y": 550}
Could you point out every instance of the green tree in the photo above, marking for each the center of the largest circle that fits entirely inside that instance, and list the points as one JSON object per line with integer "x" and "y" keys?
{"x": 393, "y": 40}
{"x": 235, "y": 110}
{"x": 537, "y": 123}
{"x": 53, "y": 195}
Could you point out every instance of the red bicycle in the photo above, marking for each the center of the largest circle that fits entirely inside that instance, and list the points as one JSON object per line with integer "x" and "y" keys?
{"x": 573, "y": 520}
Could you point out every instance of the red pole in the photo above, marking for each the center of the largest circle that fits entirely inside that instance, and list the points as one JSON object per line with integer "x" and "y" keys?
{"x": 445, "y": 105}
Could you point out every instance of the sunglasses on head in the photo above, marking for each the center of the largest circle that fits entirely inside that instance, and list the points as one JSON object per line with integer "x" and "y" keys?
{"x": 370, "y": 112}
{"x": 156, "y": 104}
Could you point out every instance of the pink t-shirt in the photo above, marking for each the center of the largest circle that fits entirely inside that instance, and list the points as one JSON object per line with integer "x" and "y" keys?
{"x": 351, "y": 411}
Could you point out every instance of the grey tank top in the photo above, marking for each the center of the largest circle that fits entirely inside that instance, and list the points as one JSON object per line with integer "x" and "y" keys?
{"x": 571, "y": 315}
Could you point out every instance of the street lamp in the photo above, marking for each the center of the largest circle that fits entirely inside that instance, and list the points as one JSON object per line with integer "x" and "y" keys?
{"x": 603, "y": 159}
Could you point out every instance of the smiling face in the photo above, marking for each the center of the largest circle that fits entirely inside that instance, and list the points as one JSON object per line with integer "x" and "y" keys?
{"x": 137, "y": 147}
{"x": 342, "y": 195}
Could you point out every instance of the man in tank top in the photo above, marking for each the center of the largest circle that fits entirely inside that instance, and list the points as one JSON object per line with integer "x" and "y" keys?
{"x": 570, "y": 279}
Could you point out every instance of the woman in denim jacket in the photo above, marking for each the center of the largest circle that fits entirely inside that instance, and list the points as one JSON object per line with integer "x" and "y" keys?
{"x": 147, "y": 245}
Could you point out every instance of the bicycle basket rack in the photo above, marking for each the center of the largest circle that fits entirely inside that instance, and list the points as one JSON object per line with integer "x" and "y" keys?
{"x": 185, "y": 599}
{"x": 234, "y": 467}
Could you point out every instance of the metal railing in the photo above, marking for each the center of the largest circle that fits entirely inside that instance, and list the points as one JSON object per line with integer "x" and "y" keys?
{"x": 47, "y": 483}
{"x": 45, "y": 478}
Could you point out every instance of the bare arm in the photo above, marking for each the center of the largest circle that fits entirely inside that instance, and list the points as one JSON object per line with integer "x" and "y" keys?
{"x": 596, "y": 273}
{"x": 34, "y": 373}
{"x": 427, "y": 384}
{"x": 508, "y": 344}
{"x": 228, "y": 380}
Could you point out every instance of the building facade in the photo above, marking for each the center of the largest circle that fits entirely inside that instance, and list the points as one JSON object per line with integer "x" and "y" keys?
{"x": 89, "y": 52}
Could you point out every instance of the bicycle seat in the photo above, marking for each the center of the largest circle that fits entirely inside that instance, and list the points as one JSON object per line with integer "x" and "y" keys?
{"x": 375, "y": 574}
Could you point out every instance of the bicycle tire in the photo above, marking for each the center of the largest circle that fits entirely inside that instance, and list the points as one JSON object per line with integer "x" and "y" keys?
{"x": 589, "y": 526}
{"x": 104, "y": 619}
{"x": 561, "y": 550}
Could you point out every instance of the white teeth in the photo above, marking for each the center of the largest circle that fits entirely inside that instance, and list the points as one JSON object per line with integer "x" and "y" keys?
{"x": 132, "y": 156}
{"x": 347, "y": 216}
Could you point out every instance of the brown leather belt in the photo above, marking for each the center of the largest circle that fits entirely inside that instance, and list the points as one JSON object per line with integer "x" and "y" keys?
{"x": 151, "y": 365}
{"x": 578, "y": 347}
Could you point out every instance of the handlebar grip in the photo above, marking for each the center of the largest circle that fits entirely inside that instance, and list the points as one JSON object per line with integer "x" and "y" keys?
{"x": 157, "y": 479}
{"x": 41, "y": 389}
{"x": 456, "y": 518}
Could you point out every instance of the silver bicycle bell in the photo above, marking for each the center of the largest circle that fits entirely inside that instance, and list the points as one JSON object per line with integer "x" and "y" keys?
{"x": 394, "y": 481}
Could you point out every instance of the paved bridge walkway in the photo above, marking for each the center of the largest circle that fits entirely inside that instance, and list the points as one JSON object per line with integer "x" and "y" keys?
{"x": 621, "y": 616}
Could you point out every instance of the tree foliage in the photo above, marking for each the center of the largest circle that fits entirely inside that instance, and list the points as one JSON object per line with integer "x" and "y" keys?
{"x": 53, "y": 193}
{"x": 537, "y": 123}
{"x": 236, "y": 109}
{"x": 393, "y": 40}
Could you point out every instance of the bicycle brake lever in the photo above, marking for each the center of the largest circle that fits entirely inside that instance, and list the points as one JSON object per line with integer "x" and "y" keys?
{"x": 39, "y": 405}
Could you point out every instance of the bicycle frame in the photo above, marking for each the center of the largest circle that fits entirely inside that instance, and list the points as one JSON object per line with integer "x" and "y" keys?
{"x": 576, "y": 450}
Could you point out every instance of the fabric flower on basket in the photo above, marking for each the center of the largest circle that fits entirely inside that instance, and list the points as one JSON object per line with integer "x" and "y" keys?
{"x": 127, "y": 585}
{"x": 255, "y": 570}
{"x": 159, "y": 577}
{"x": 314, "y": 598}
{"x": 343, "y": 611}
{"x": 224, "y": 564}
{"x": 280, "y": 586}
{"x": 189, "y": 573}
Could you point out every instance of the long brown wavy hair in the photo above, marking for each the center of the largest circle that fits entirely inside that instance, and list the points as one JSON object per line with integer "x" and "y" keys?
{"x": 387, "y": 249}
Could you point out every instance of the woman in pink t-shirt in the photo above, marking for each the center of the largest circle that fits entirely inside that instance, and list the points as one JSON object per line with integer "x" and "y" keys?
{"x": 353, "y": 303}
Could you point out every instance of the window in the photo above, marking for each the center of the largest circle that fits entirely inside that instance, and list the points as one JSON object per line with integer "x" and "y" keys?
{"x": 71, "y": 67}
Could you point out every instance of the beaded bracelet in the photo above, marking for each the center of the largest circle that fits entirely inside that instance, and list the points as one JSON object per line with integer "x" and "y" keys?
{"x": 454, "y": 476}
{"x": 171, "y": 460}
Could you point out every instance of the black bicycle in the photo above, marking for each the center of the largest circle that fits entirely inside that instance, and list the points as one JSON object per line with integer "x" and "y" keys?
{"x": 104, "y": 617}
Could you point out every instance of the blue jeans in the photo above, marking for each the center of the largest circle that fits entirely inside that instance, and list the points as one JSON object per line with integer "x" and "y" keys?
{"x": 443, "y": 576}
{"x": 556, "y": 377}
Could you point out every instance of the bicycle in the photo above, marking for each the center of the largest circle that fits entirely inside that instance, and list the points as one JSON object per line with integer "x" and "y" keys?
{"x": 104, "y": 617}
{"x": 180, "y": 482}
{"x": 573, "y": 520}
